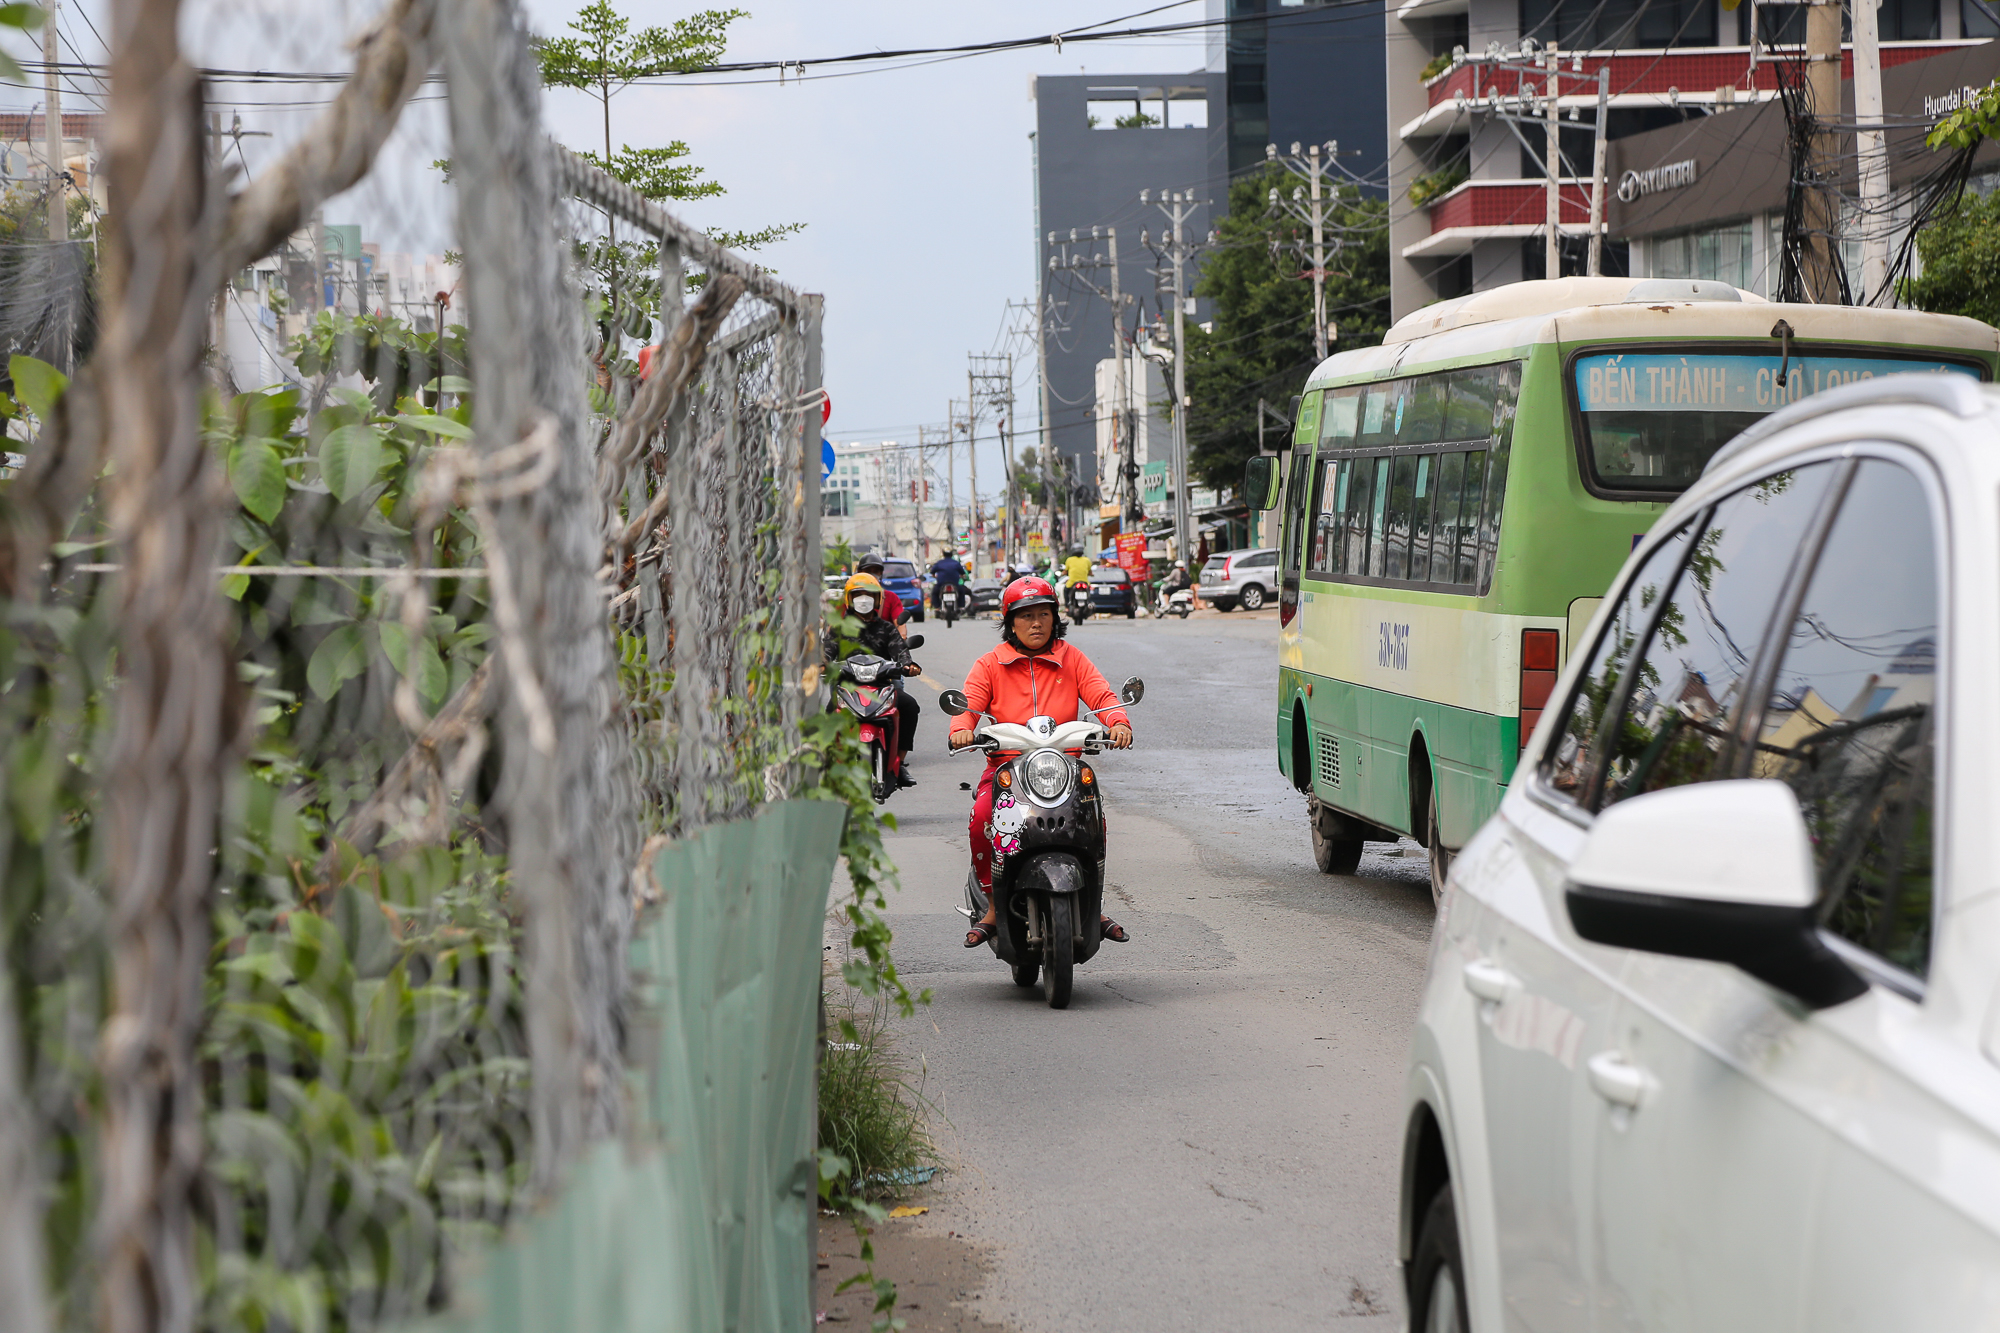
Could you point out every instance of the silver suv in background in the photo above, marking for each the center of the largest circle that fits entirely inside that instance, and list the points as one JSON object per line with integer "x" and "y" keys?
{"x": 1245, "y": 578}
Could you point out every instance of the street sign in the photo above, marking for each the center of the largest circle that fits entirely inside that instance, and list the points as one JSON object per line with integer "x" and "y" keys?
{"x": 825, "y": 459}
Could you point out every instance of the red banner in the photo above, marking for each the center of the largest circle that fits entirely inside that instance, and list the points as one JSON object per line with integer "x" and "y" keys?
{"x": 1132, "y": 555}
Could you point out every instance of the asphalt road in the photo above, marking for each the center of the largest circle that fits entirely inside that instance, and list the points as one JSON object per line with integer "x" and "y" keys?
{"x": 1208, "y": 1138}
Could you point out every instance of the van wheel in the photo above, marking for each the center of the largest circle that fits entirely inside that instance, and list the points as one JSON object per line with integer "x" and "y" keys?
{"x": 1253, "y": 597}
{"x": 1440, "y": 858}
{"x": 1437, "y": 1272}
{"x": 1334, "y": 856}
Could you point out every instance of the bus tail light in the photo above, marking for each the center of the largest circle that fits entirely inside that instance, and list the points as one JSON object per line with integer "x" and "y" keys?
{"x": 1541, "y": 650}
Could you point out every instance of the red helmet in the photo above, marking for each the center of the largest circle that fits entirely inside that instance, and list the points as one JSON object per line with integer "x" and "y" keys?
{"x": 1023, "y": 593}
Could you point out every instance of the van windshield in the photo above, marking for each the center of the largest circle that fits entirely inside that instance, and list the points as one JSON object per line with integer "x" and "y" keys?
{"x": 1652, "y": 420}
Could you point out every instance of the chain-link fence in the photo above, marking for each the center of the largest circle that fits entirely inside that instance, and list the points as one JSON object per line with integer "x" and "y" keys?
{"x": 354, "y": 671}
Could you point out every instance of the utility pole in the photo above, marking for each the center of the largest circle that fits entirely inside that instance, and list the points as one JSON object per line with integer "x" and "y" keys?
{"x": 53, "y": 132}
{"x": 994, "y": 376}
{"x": 1553, "y": 263}
{"x": 1820, "y": 264}
{"x": 1874, "y": 152}
{"x": 1179, "y": 206}
{"x": 1596, "y": 266}
{"x": 976, "y": 527}
{"x": 1312, "y": 209}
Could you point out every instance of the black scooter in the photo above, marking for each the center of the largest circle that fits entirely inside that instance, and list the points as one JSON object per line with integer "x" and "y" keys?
{"x": 1048, "y": 845}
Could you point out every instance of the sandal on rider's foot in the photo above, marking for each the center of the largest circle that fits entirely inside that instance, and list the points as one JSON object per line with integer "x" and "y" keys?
{"x": 1112, "y": 931}
{"x": 981, "y": 932}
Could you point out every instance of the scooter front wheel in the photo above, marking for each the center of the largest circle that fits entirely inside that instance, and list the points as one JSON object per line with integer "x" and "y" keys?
{"x": 1059, "y": 949}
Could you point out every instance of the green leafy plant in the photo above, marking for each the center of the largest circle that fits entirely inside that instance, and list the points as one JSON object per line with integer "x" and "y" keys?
{"x": 1436, "y": 184}
{"x": 1960, "y": 254}
{"x": 1438, "y": 65}
{"x": 606, "y": 56}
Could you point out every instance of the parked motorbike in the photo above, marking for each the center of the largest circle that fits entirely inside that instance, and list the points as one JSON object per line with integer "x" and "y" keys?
{"x": 869, "y": 687}
{"x": 1076, "y": 597}
{"x": 1177, "y": 603}
{"x": 1048, "y": 845}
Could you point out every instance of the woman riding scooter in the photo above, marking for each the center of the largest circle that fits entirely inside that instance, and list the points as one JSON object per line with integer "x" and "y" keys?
{"x": 1033, "y": 673}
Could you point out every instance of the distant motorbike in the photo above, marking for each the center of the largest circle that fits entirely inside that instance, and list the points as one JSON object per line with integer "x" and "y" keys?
{"x": 869, "y": 687}
{"x": 1076, "y": 598}
{"x": 1048, "y": 845}
{"x": 1177, "y": 603}
{"x": 953, "y": 602}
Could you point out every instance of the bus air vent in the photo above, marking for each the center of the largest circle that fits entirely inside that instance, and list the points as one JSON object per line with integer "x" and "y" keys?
{"x": 1329, "y": 761}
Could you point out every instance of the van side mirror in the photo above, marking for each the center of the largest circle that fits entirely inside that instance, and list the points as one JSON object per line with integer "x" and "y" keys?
{"x": 1132, "y": 691}
{"x": 1741, "y": 890}
{"x": 953, "y": 702}
{"x": 1260, "y": 482}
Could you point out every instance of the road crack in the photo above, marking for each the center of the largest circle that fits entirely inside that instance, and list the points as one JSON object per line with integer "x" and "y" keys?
{"x": 1233, "y": 1198}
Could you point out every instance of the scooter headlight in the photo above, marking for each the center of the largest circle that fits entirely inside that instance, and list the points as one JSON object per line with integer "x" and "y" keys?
{"x": 1047, "y": 773}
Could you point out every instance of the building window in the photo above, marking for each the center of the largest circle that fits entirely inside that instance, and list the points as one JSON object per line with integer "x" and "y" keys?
{"x": 1720, "y": 253}
{"x": 1613, "y": 24}
{"x": 1898, "y": 20}
{"x": 1979, "y": 20}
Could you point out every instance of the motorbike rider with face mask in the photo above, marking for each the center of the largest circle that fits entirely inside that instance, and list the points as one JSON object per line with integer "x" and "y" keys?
{"x": 862, "y": 597}
{"x": 1033, "y": 673}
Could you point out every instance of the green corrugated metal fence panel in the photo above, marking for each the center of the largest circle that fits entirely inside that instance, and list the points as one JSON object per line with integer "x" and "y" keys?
{"x": 702, "y": 1218}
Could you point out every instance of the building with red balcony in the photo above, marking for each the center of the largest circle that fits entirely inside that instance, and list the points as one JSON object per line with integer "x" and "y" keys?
{"x": 1469, "y": 128}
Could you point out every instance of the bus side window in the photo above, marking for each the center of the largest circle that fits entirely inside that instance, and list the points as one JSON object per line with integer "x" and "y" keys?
{"x": 1468, "y": 517}
{"x": 1420, "y": 519}
{"x": 1325, "y": 516}
{"x": 1298, "y": 493}
{"x": 1506, "y": 389}
{"x": 1377, "y": 523}
{"x": 1444, "y": 527}
{"x": 1402, "y": 498}
{"x": 1352, "y": 557}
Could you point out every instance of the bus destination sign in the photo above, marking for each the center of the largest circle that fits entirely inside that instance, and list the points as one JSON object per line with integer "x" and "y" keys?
{"x": 1678, "y": 382}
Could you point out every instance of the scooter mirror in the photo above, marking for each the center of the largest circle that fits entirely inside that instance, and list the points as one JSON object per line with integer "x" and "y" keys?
{"x": 1132, "y": 691}
{"x": 914, "y": 642}
{"x": 953, "y": 702}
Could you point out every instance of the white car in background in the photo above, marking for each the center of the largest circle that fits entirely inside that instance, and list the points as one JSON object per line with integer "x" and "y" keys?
{"x": 1710, "y": 1039}
{"x": 1246, "y": 578}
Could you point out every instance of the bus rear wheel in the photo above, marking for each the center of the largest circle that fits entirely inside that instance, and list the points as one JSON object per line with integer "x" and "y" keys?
{"x": 1333, "y": 856}
{"x": 1440, "y": 857}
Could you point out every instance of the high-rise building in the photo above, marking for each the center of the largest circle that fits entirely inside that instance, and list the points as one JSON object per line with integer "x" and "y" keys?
{"x": 1303, "y": 71}
{"x": 1469, "y": 190}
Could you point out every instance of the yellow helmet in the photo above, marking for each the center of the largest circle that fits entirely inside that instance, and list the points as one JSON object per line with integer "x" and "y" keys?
{"x": 863, "y": 584}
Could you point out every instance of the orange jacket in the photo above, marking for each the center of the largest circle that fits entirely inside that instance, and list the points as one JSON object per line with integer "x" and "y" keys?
{"x": 1014, "y": 687}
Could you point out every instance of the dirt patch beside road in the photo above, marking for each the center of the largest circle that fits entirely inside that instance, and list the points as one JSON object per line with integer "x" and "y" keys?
{"x": 938, "y": 1276}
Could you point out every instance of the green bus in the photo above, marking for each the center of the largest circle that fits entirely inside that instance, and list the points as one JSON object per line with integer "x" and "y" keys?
{"x": 1457, "y": 500}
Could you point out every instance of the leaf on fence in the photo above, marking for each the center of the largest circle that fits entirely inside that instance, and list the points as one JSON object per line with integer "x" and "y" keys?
{"x": 36, "y": 383}
{"x": 435, "y": 424}
{"x": 431, "y": 674}
{"x": 341, "y": 656}
{"x": 349, "y": 458}
{"x": 258, "y": 476}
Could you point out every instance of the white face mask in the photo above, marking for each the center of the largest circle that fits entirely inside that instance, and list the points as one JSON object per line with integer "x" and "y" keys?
{"x": 863, "y": 605}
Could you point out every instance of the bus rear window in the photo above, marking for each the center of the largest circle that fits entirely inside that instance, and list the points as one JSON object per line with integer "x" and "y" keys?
{"x": 1652, "y": 420}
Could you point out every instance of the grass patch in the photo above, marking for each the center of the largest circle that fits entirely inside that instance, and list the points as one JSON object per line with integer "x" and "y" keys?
{"x": 873, "y": 1113}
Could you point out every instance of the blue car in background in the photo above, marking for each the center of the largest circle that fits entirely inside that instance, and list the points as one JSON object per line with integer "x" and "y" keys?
{"x": 900, "y": 577}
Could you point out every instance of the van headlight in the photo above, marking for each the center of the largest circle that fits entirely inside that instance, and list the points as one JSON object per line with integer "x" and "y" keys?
{"x": 1047, "y": 773}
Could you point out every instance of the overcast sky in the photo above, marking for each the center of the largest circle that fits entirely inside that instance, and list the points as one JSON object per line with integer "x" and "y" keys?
{"x": 915, "y": 184}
